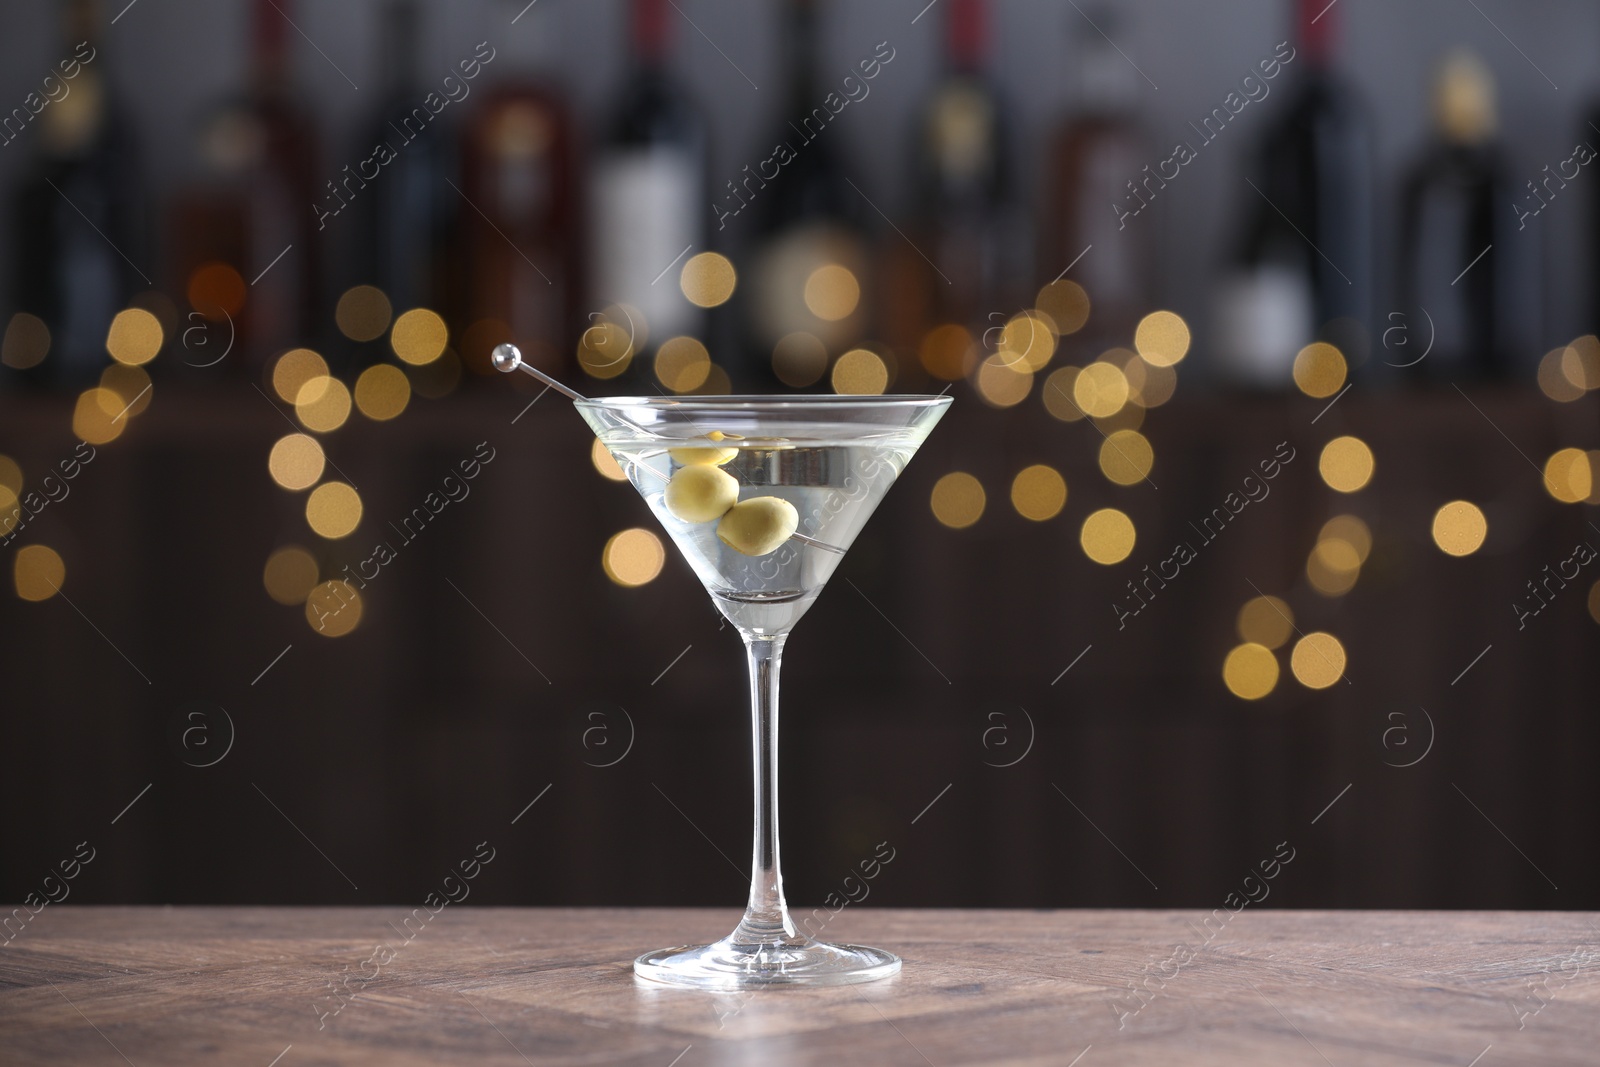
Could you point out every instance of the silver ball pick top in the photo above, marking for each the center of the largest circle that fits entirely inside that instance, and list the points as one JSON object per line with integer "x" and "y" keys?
{"x": 508, "y": 357}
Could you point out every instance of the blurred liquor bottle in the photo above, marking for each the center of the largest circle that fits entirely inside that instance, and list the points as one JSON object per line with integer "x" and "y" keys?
{"x": 246, "y": 240}
{"x": 521, "y": 232}
{"x": 1452, "y": 284}
{"x": 1304, "y": 269}
{"x": 649, "y": 206}
{"x": 407, "y": 208}
{"x": 77, "y": 214}
{"x": 810, "y": 277}
{"x": 1097, "y": 152}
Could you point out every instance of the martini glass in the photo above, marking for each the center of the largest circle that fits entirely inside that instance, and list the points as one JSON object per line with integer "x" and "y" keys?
{"x": 763, "y": 496}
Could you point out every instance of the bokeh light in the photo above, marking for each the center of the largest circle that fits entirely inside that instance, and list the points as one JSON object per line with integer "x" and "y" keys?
{"x": 1126, "y": 457}
{"x": 333, "y": 510}
{"x": 333, "y": 608}
{"x": 10, "y": 475}
{"x": 1352, "y": 531}
{"x": 323, "y": 404}
{"x": 1265, "y": 621}
{"x": 1003, "y": 382}
{"x": 1101, "y": 389}
{"x": 799, "y": 359}
{"x": 363, "y": 313}
{"x": 1250, "y": 671}
{"x": 419, "y": 337}
{"x": 1318, "y": 660}
{"x": 948, "y": 352}
{"x": 1319, "y": 370}
{"x": 294, "y": 369}
{"x": 1107, "y": 536}
{"x": 26, "y": 343}
{"x": 682, "y": 364}
{"x": 1569, "y": 476}
{"x": 382, "y": 392}
{"x": 290, "y": 575}
{"x": 1039, "y": 492}
{"x": 605, "y": 350}
{"x": 832, "y": 292}
{"x": 296, "y": 461}
{"x": 1058, "y": 394}
{"x": 606, "y": 463}
{"x": 132, "y": 388}
{"x": 708, "y": 279}
{"x": 1580, "y": 362}
{"x": 1554, "y": 381}
{"x": 134, "y": 337}
{"x": 1162, "y": 338}
{"x": 633, "y": 557}
{"x": 1028, "y": 338}
{"x": 957, "y": 500}
{"x": 38, "y": 572}
{"x": 717, "y": 383}
{"x": 860, "y": 372}
{"x": 94, "y": 419}
{"x": 1067, "y": 305}
{"x": 216, "y": 291}
{"x": 1594, "y": 602}
{"x": 1459, "y": 528}
{"x": 1333, "y": 567}
{"x": 1156, "y": 384}
{"x": 1346, "y": 464}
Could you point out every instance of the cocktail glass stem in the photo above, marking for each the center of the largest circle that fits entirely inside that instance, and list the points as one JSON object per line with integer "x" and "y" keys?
{"x": 766, "y": 919}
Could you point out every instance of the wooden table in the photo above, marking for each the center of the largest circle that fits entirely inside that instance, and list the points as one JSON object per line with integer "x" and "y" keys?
{"x": 177, "y": 986}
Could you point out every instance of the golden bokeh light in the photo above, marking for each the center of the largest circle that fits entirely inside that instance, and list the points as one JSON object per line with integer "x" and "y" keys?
{"x": 606, "y": 463}
{"x": 1107, "y": 536}
{"x": 1029, "y": 339}
{"x": 799, "y": 359}
{"x": 333, "y": 608}
{"x": 1057, "y": 393}
{"x": 290, "y": 575}
{"x": 1126, "y": 457}
{"x": 948, "y": 352}
{"x": 130, "y": 385}
{"x": 1580, "y": 362}
{"x": 216, "y": 291}
{"x": 1067, "y": 305}
{"x": 1569, "y": 476}
{"x": 1346, "y": 464}
{"x": 382, "y": 392}
{"x": 1265, "y": 621}
{"x": 294, "y": 369}
{"x": 1101, "y": 389}
{"x": 38, "y": 572}
{"x": 957, "y": 500}
{"x": 1333, "y": 567}
{"x": 1003, "y": 382}
{"x": 323, "y": 404}
{"x": 605, "y": 350}
{"x": 1156, "y": 385}
{"x": 296, "y": 461}
{"x": 633, "y": 557}
{"x": 333, "y": 510}
{"x": 1319, "y": 370}
{"x": 1131, "y": 417}
{"x": 1162, "y": 338}
{"x": 134, "y": 337}
{"x": 1554, "y": 381}
{"x": 717, "y": 383}
{"x": 26, "y": 343}
{"x": 1039, "y": 492}
{"x": 1352, "y": 531}
{"x": 832, "y": 292}
{"x": 10, "y": 513}
{"x": 860, "y": 372}
{"x": 682, "y": 364}
{"x": 1317, "y": 660}
{"x": 10, "y": 475}
{"x": 419, "y": 337}
{"x": 95, "y": 420}
{"x": 363, "y": 313}
{"x": 1251, "y": 671}
{"x": 1459, "y": 528}
{"x": 708, "y": 279}
{"x": 1594, "y": 602}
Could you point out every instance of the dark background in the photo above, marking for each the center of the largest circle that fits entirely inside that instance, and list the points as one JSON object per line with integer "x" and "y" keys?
{"x": 380, "y": 759}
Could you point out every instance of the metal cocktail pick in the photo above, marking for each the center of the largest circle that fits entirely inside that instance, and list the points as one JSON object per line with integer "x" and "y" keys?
{"x": 508, "y": 357}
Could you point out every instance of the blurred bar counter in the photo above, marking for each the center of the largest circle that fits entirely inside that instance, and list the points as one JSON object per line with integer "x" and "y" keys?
{"x": 970, "y": 695}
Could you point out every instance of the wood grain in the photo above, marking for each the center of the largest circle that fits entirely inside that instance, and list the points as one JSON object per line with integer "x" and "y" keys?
{"x": 489, "y": 986}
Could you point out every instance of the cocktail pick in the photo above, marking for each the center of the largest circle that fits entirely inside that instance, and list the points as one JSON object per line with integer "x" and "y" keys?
{"x": 508, "y": 357}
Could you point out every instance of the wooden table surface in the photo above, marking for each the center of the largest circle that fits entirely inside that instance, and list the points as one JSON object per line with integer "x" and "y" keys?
{"x": 266, "y": 986}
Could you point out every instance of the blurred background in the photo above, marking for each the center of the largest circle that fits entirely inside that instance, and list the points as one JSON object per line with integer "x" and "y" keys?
{"x": 1265, "y": 512}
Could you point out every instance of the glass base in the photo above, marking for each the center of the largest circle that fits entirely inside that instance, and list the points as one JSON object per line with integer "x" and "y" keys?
{"x": 798, "y": 961}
